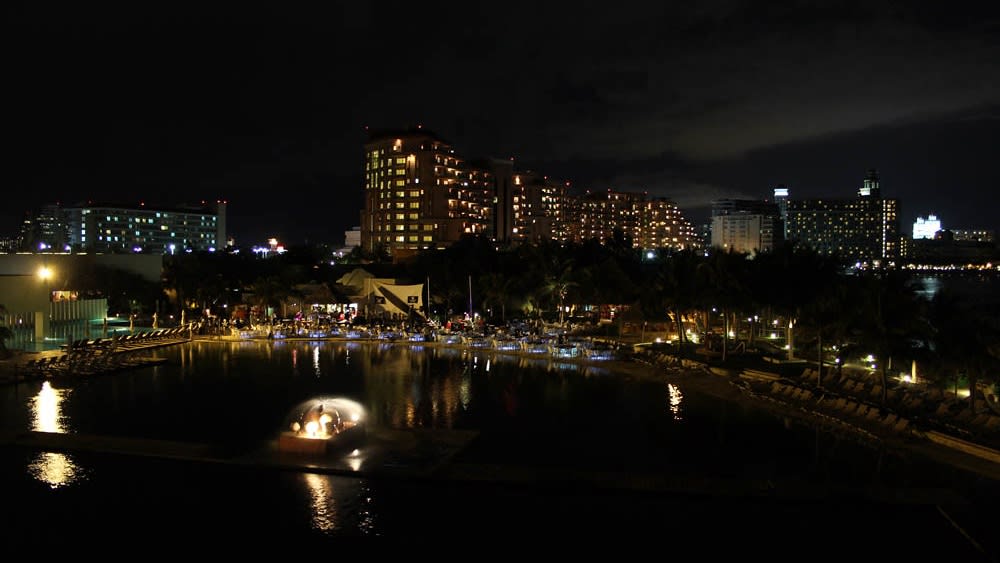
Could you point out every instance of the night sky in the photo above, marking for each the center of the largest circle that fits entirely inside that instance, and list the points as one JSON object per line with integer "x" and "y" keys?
{"x": 711, "y": 99}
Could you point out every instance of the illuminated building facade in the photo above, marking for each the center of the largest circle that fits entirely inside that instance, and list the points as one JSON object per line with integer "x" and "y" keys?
{"x": 743, "y": 225}
{"x": 419, "y": 194}
{"x": 46, "y": 231}
{"x": 781, "y": 200}
{"x": 662, "y": 225}
{"x": 926, "y": 227}
{"x": 110, "y": 228}
{"x": 973, "y": 235}
{"x": 538, "y": 208}
{"x": 647, "y": 223}
{"x": 865, "y": 229}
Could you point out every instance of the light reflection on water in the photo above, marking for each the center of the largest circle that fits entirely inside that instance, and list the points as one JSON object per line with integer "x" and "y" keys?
{"x": 46, "y": 412}
{"x": 521, "y": 404}
{"x": 676, "y": 397}
{"x": 324, "y": 505}
{"x": 53, "y": 468}
{"x": 338, "y": 505}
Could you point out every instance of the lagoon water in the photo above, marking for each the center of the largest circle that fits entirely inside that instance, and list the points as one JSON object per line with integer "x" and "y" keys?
{"x": 533, "y": 416}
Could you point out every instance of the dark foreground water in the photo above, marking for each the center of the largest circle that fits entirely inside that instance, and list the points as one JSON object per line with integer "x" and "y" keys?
{"x": 534, "y": 416}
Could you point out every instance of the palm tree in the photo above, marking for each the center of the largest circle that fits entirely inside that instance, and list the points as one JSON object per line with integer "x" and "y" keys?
{"x": 495, "y": 288}
{"x": 721, "y": 282}
{"x": 827, "y": 313}
{"x": 558, "y": 281}
{"x": 676, "y": 285}
{"x": 892, "y": 318}
{"x": 270, "y": 292}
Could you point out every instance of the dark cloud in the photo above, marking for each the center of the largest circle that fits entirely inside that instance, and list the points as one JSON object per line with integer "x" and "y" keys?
{"x": 267, "y": 108}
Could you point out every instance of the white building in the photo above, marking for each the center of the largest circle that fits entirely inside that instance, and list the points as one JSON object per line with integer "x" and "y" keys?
{"x": 926, "y": 228}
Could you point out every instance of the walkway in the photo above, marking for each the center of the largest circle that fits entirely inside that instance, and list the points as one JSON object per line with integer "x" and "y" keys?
{"x": 90, "y": 357}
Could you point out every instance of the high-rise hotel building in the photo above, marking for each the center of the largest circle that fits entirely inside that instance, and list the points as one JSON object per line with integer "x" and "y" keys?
{"x": 747, "y": 225}
{"x": 864, "y": 229}
{"x": 538, "y": 209}
{"x": 420, "y": 194}
{"x": 115, "y": 228}
{"x": 655, "y": 223}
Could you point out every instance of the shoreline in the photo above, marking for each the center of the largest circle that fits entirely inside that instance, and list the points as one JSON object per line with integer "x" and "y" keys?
{"x": 947, "y": 449}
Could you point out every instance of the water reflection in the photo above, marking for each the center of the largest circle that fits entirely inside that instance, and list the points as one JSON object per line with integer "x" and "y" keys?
{"x": 337, "y": 504}
{"x": 927, "y": 287}
{"x": 55, "y": 469}
{"x": 676, "y": 397}
{"x": 354, "y": 460}
{"x": 45, "y": 409}
{"x": 323, "y": 506}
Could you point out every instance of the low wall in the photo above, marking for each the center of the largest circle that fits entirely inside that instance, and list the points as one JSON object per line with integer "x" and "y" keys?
{"x": 964, "y": 446}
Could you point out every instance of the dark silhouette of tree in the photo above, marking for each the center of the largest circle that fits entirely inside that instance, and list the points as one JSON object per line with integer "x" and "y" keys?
{"x": 965, "y": 338}
{"x": 721, "y": 278}
{"x": 5, "y": 333}
{"x": 893, "y": 317}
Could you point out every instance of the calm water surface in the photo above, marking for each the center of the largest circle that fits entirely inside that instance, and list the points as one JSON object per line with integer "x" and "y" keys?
{"x": 532, "y": 415}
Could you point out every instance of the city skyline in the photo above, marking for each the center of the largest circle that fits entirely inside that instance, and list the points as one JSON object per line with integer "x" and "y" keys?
{"x": 269, "y": 110}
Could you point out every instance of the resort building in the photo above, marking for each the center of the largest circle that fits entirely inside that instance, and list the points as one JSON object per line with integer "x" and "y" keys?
{"x": 862, "y": 230}
{"x": 115, "y": 228}
{"x": 420, "y": 194}
{"x": 749, "y": 226}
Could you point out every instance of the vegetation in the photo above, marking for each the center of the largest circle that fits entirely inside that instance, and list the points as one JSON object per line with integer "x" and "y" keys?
{"x": 5, "y": 333}
{"x": 821, "y": 309}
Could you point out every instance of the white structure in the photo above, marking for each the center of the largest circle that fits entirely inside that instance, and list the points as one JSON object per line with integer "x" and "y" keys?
{"x": 745, "y": 233}
{"x": 926, "y": 228}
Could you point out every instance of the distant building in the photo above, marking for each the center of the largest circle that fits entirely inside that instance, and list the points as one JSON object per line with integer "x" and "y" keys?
{"x": 648, "y": 223}
{"x": 973, "y": 235}
{"x": 926, "y": 228}
{"x": 352, "y": 238}
{"x": 781, "y": 200}
{"x": 538, "y": 209}
{"x": 113, "y": 228}
{"x": 46, "y": 231}
{"x": 945, "y": 249}
{"x": 864, "y": 229}
{"x": 420, "y": 194}
{"x": 746, "y": 225}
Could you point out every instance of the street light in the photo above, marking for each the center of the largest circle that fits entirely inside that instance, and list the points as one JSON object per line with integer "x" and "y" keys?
{"x": 45, "y": 274}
